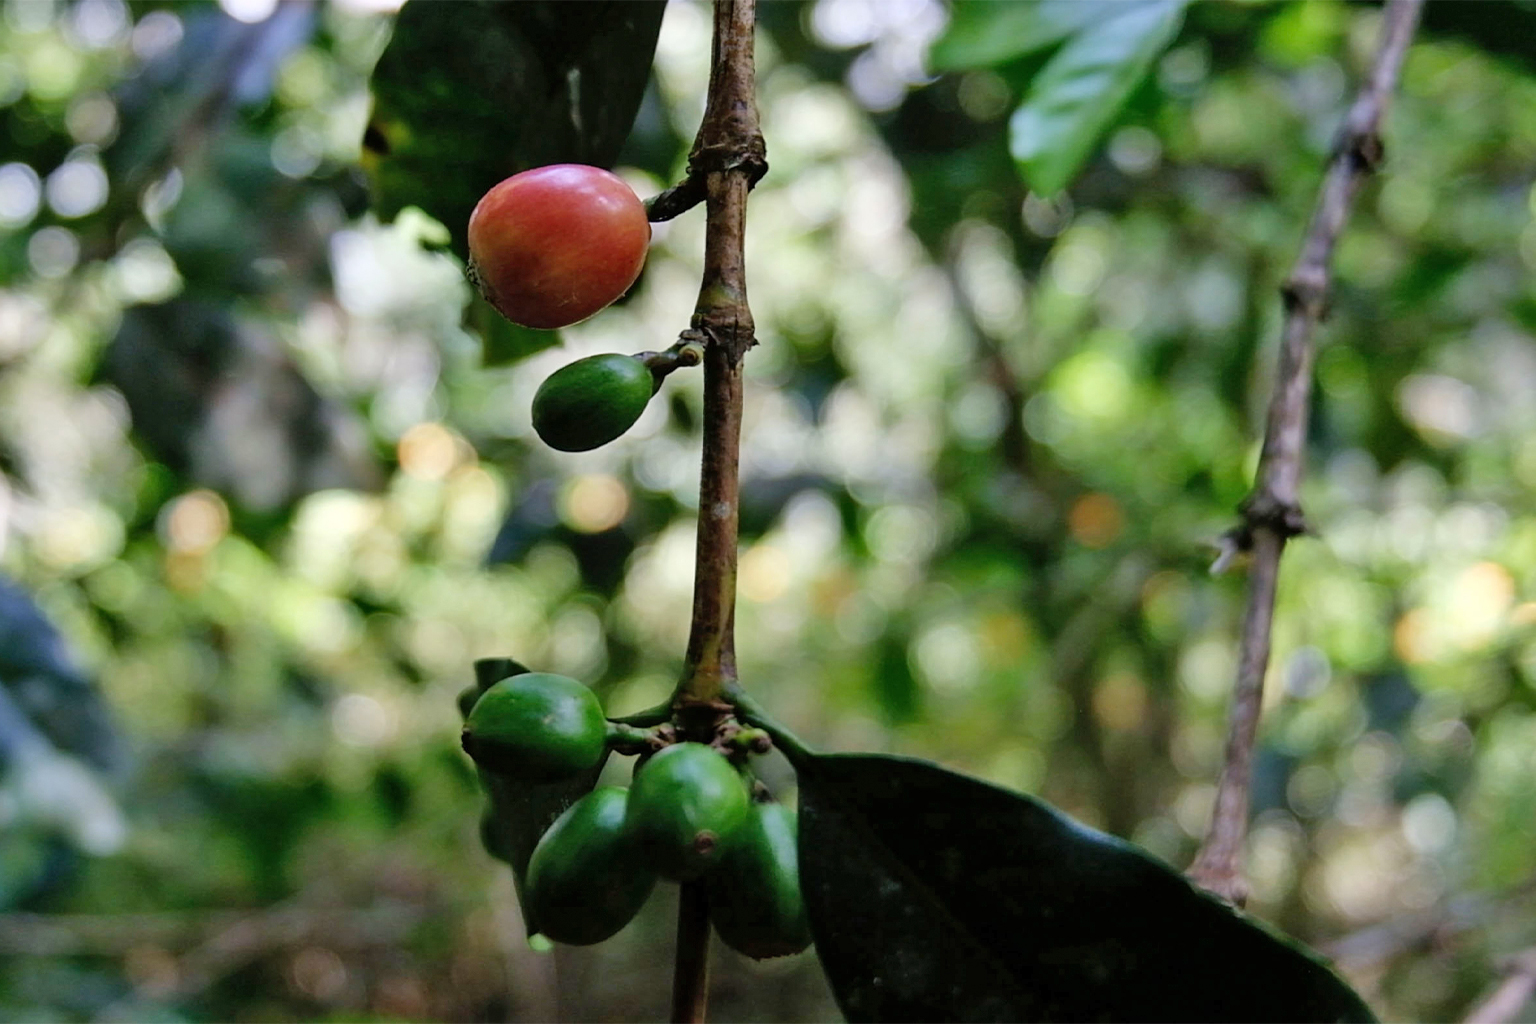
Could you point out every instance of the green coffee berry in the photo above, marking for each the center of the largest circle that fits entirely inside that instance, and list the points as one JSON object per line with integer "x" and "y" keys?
{"x": 592, "y": 401}
{"x": 686, "y": 805}
{"x": 754, "y": 894}
{"x": 536, "y": 726}
{"x": 584, "y": 881}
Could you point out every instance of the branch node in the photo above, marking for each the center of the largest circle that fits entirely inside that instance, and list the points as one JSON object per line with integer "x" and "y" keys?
{"x": 1260, "y": 509}
{"x": 734, "y": 153}
{"x": 1368, "y": 152}
{"x": 1305, "y": 293}
{"x": 749, "y": 155}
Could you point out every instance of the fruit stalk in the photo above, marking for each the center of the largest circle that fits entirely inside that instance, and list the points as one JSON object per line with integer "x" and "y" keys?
{"x": 1272, "y": 514}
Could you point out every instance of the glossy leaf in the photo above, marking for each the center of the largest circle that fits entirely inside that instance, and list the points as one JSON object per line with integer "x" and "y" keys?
{"x": 1081, "y": 89}
{"x": 468, "y": 93}
{"x": 983, "y": 34}
{"x": 934, "y": 896}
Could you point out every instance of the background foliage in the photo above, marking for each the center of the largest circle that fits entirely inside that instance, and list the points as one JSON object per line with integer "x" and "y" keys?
{"x": 260, "y": 479}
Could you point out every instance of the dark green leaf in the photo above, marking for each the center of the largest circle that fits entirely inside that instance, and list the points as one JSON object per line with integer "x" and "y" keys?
{"x": 982, "y": 33}
{"x": 1078, "y": 93}
{"x": 1501, "y": 29}
{"x": 896, "y": 688}
{"x": 934, "y": 896}
{"x": 470, "y": 92}
{"x": 503, "y": 342}
{"x": 490, "y": 671}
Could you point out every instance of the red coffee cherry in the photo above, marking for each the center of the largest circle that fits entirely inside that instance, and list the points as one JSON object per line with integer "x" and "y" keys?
{"x": 551, "y": 246}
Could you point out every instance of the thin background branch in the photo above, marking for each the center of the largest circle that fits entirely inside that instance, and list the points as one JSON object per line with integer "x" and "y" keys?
{"x": 1272, "y": 514}
{"x": 1507, "y": 1002}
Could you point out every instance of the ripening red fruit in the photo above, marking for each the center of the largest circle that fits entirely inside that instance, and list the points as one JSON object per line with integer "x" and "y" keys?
{"x": 553, "y": 245}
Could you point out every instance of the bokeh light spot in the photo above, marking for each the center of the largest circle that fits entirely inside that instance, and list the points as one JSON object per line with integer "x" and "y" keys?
{"x": 92, "y": 119}
{"x": 1135, "y": 150}
{"x": 249, "y": 11}
{"x": 54, "y": 67}
{"x": 1096, "y": 520}
{"x": 195, "y": 522}
{"x": 1307, "y": 672}
{"x": 946, "y": 656}
{"x": 79, "y": 537}
{"x": 1479, "y": 601}
{"x": 77, "y": 188}
{"x": 156, "y": 32}
{"x": 1120, "y": 701}
{"x": 1412, "y": 638}
{"x": 144, "y": 272}
{"x": 984, "y": 95}
{"x": 21, "y": 192}
{"x": 764, "y": 573}
{"x": 594, "y": 502}
{"x": 318, "y": 973}
{"x": 99, "y": 24}
{"x": 1078, "y": 267}
{"x": 428, "y": 451}
{"x": 53, "y": 252}
{"x": 361, "y": 721}
{"x": 1094, "y": 385}
{"x": 1429, "y": 823}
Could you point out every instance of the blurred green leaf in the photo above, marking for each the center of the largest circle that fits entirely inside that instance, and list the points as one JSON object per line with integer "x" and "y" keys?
{"x": 983, "y": 34}
{"x": 185, "y": 95}
{"x": 1076, "y": 96}
{"x": 43, "y": 688}
{"x": 469, "y": 93}
{"x": 934, "y": 896}
{"x": 896, "y": 688}
{"x": 503, "y": 342}
{"x": 1498, "y": 28}
{"x": 490, "y": 671}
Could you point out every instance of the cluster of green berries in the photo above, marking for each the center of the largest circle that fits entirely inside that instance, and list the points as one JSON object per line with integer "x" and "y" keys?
{"x": 689, "y": 814}
{"x": 549, "y": 247}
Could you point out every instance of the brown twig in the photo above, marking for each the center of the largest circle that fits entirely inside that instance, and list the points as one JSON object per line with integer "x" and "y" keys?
{"x": 728, "y": 155}
{"x": 207, "y": 945}
{"x": 727, "y": 159}
{"x": 690, "y": 980}
{"x": 678, "y": 199}
{"x": 1272, "y": 514}
{"x": 1378, "y": 945}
